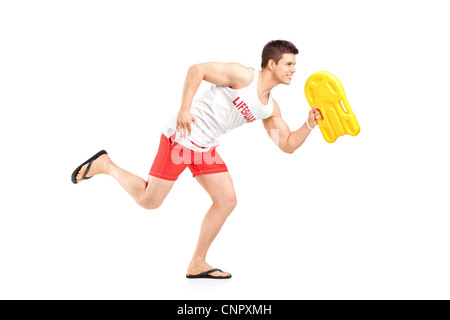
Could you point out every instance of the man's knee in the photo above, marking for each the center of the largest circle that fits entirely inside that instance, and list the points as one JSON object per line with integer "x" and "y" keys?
{"x": 228, "y": 202}
{"x": 149, "y": 204}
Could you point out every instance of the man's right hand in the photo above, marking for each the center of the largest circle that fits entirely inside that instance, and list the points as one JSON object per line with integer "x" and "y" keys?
{"x": 233, "y": 75}
{"x": 184, "y": 121}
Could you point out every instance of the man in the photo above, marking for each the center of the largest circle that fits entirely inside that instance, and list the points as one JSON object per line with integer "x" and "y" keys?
{"x": 238, "y": 95}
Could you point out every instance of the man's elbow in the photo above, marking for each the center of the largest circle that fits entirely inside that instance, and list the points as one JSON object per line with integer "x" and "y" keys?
{"x": 196, "y": 69}
{"x": 287, "y": 149}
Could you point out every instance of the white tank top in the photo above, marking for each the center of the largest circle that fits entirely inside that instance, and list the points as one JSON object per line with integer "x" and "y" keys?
{"x": 218, "y": 111}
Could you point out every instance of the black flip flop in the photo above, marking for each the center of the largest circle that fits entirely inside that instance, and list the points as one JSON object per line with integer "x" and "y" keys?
{"x": 207, "y": 275}
{"x": 90, "y": 160}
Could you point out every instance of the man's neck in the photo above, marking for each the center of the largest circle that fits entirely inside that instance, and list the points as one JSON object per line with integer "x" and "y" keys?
{"x": 266, "y": 83}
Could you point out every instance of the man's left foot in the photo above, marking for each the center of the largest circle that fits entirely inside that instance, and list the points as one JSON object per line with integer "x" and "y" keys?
{"x": 210, "y": 274}
{"x": 206, "y": 271}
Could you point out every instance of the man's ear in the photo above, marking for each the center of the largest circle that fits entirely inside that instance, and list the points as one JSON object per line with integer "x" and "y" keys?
{"x": 271, "y": 64}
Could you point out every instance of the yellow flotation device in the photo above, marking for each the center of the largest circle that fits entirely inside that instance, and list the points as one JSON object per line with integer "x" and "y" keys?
{"x": 324, "y": 91}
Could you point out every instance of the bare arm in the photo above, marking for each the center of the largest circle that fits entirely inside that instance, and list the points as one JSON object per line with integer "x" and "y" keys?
{"x": 232, "y": 75}
{"x": 279, "y": 131}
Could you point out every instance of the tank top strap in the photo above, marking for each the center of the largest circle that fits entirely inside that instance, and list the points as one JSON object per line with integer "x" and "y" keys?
{"x": 255, "y": 78}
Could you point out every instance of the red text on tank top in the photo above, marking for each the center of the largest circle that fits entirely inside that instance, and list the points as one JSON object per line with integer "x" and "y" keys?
{"x": 241, "y": 106}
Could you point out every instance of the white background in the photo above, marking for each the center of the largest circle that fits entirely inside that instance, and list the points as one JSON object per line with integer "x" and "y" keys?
{"x": 366, "y": 217}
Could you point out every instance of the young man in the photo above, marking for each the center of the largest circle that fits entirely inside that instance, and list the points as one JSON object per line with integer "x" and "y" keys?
{"x": 238, "y": 95}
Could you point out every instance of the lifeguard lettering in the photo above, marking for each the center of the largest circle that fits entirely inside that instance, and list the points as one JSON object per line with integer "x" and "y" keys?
{"x": 241, "y": 106}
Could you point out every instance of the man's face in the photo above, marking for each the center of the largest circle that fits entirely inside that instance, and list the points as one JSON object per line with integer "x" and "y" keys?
{"x": 285, "y": 68}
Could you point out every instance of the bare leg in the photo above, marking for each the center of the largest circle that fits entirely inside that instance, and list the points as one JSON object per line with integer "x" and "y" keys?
{"x": 148, "y": 194}
{"x": 220, "y": 187}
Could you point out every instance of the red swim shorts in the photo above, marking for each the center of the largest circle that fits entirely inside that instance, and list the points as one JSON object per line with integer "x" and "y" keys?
{"x": 172, "y": 158}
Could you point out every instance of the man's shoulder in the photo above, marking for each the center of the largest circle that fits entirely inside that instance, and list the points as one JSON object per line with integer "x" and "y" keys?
{"x": 242, "y": 74}
{"x": 239, "y": 67}
{"x": 231, "y": 74}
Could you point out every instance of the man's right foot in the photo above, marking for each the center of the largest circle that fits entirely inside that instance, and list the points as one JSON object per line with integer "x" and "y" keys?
{"x": 97, "y": 167}
{"x": 93, "y": 167}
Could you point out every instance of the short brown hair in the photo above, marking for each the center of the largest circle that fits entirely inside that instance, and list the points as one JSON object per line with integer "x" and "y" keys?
{"x": 275, "y": 49}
